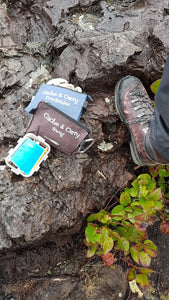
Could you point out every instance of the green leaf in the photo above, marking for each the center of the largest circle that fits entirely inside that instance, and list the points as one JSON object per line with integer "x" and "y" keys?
{"x": 92, "y": 233}
{"x": 135, "y": 254}
{"x": 135, "y": 184}
{"x": 144, "y": 179}
{"x": 146, "y": 204}
{"x": 155, "y": 195}
{"x": 158, "y": 205}
{"x": 136, "y": 212}
{"x": 128, "y": 209}
{"x": 125, "y": 198}
{"x": 115, "y": 235}
{"x": 154, "y": 170}
{"x": 163, "y": 173}
{"x": 99, "y": 251}
{"x": 132, "y": 234}
{"x": 102, "y": 216}
{"x": 146, "y": 271}
{"x": 149, "y": 244}
{"x": 143, "y": 191}
{"x": 104, "y": 234}
{"x": 135, "y": 203}
{"x": 123, "y": 244}
{"x": 131, "y": 275}
{"x": 91, "y": 252}
{"x": 155, "y": 85}
{"x": 118, "y": 212}
{"x": 151, "y": 185}
{"x": 134, "y": 192}
{"x": 145, "y": 259}
{"x": 142, "y": 280}
{"x": 108, "y": 245}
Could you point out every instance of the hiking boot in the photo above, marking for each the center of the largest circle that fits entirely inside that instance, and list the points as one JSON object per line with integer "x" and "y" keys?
{"x": 136, "y": 110}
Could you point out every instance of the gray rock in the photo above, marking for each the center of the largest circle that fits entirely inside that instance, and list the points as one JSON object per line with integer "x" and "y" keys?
{"x": 42, "y": 40}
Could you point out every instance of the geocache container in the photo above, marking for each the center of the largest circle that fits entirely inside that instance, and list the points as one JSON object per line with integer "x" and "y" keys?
{"x": 26, "y": 157}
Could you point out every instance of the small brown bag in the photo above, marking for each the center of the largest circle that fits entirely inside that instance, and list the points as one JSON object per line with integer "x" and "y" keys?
{"x": 58, "y": 129}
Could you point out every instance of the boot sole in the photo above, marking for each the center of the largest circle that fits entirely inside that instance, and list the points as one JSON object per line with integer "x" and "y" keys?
{"x": 133, "y": 147}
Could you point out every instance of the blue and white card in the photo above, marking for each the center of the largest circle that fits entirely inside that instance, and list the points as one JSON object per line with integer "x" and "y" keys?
{"x": 27, "y": 155}
{"x": 68, "y": 101}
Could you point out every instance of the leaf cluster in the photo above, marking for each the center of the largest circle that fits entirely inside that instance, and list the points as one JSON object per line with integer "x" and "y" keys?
{"x": 124, "y": 228}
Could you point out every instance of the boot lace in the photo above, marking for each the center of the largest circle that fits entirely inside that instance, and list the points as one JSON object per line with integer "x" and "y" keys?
{"x": 141, "y": 102}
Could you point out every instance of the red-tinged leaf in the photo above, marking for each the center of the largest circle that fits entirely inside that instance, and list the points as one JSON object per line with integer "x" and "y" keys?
{"x": 144, "y": 259}
{"x": 142, "y": 280}
{"x": 154, "y": 170}
{"x": 151, "y": 253}
{"x": 132, "y": 215}
{"x": 140, "y": 218}
{"x": 140, "y": 223}
{"x": 165, "y": 227}
{"x": 146, "y": 271}
{"x": 149, "y": 244}
{"x": 131, "y": 275}
{"x": 141, "y": 226}
{"x": 135, "y": 254}
{"x": 150, "y": 220}
{"x": 108, "y": 259}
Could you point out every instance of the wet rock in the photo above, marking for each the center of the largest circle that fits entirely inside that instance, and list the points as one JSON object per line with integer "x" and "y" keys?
{"x": 95, "y": 283}
{"x": 44, "y": 39}
{"x": 55, "y": 10}
{"x": 93, "y": 54}
{"x": 57, "y": 199}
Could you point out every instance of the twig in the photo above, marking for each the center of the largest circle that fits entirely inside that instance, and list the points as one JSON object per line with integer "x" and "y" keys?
{"x": 158, "y": 282}
{"x": 129, "y": 295}
{"x": 112, "y": 199}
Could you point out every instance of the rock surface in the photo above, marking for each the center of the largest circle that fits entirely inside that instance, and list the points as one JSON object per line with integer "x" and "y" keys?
{"x": 54, "y": 202}
{"x": 91, "y": 43}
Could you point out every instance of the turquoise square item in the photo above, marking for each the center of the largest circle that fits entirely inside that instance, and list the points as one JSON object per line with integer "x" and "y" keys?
{"x": 27, "y": 155}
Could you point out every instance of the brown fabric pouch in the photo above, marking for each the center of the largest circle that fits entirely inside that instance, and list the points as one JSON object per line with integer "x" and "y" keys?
{"x": 58, "y": 129}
